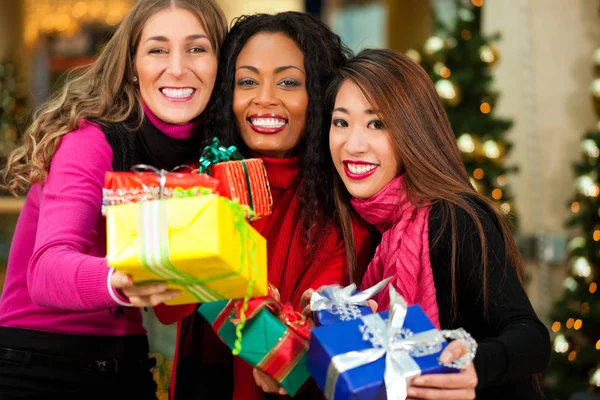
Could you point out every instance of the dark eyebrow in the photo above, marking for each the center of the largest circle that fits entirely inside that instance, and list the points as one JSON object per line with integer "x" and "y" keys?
{"x": 277, "y": 70}
{"x": 164, "y": 38}
{"x": 342, "y": 109}
{"x": 286, "y": 67}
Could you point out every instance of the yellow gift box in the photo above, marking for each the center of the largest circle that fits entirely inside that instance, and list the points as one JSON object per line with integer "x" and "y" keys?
{"x": 200, "y": 245}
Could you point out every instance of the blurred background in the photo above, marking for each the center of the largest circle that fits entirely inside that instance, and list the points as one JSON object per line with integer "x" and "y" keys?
{"x": 520, "y": 80}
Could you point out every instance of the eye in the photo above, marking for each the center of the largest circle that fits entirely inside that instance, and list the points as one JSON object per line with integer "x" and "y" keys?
{"x": 289, "y": 83}
{"x": 157, "y": 51}
{"x": 247, "y": 82}
{"x": 197, "y": 50}
{"x": 375, "y": 124}
{"x": 339, "y": 123}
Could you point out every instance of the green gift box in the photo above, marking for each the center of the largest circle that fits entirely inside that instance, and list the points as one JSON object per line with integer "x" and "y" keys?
{"x": 274, "y": 338}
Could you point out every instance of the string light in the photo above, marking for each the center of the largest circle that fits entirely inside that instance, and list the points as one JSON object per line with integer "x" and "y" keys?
{"x": 577, "y": 324}
{"x": 505, "y": 207}
{"x": 572, "y": 355}
{"x": 575, "y": 207}
{"x": 593, "y": 287}
{"x": 556, "y": 326}
{"x": 496, "y": 194}
{"x": 477, "y": 3}
{"x": 478, "y": 173}
{"x": 570, "y": 323}
{"x": 501, "y": 180}
{"x": 485, "y": 107}
{"x": 560, "y": 344}
{"x": 445, "y": 72}
{"x": 598, "y": 345}
{"x": 466, "y": 34}
{"x": 597, "y": 235}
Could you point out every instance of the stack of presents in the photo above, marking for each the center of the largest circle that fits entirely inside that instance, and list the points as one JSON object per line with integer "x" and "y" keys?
{"x": 191, "y": 229}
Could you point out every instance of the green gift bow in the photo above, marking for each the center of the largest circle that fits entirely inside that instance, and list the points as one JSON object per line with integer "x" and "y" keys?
{"x": 215, "y": 153}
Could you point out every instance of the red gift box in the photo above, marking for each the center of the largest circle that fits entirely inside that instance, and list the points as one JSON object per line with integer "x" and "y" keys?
{"x": 132, "y": 187}
{"x": 245, "y": 181}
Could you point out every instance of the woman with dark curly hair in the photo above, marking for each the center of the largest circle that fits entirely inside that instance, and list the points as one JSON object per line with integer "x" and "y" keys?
{"x": 269, "y": 102}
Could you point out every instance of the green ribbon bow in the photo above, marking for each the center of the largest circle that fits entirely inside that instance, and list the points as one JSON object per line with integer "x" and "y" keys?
{"x": 215, "y": 153}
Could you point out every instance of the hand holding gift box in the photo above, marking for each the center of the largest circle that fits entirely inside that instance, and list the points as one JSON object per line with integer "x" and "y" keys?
{"x": 333, "y": 304}
{"x": 201, "y": 245}
{"x": 275, "y": 336}
{"x": 381, "y": 353}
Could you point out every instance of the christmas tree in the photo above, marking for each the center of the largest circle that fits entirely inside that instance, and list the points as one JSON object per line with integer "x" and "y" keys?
{"x": 12, "y": 110}
{"x": 459, "y": 59}
{"x": 575, "y": 365}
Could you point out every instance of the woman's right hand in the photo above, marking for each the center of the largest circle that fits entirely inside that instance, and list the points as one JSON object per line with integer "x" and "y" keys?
{"x": 142, "y": 295}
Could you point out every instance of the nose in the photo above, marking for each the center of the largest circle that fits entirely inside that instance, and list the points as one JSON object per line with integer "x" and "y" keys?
{"x": 176, "y": 65}
{"x": 357, "y": 142}
{"x": 266, "y": 96}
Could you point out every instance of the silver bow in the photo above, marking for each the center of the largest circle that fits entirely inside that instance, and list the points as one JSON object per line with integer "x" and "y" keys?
{"x": 391, "y": 340}
{"x": 343, "y": 301}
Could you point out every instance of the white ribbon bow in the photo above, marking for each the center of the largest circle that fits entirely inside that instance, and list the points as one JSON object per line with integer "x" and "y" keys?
{"x": 343, "y": 301}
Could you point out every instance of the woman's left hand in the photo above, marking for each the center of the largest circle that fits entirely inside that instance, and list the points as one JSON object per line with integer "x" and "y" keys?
{"x": 457, "y": 386}
{"x": 266, "y": 383}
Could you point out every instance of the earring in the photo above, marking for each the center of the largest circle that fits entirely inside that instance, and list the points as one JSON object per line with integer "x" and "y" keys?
{"x": 135, "y": 79}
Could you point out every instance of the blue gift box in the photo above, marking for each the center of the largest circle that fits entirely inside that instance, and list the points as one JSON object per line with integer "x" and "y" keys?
{"x": 367, "y": 381}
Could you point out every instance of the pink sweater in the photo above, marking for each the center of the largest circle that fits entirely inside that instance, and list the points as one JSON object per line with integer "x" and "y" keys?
{"x": 403, "y": 253}
{"x": 57, "y": 272}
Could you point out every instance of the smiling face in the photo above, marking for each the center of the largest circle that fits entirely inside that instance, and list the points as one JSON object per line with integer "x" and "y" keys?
{"x": 360, "y": 146}
{"x": 176, "y": 66}
{"x": 270, "y": 97}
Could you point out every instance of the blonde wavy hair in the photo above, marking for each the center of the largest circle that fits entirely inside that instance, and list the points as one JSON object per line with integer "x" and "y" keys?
{"x": 105, "y": 92}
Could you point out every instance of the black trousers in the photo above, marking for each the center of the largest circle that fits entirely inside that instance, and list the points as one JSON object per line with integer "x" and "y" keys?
{"x": 42, "y": 365}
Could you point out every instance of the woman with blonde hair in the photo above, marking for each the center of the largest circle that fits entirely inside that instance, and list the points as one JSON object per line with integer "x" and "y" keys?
{"x": 67, "y": 327}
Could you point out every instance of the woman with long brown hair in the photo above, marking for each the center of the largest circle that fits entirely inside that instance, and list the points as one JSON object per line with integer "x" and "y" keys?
{"x": 67, "y": 329}
{"x": 446, "y": 247}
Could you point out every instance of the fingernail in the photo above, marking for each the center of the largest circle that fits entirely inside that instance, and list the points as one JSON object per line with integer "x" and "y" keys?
{"x": 411, "y": 392}
{"x": 418, "y": 381}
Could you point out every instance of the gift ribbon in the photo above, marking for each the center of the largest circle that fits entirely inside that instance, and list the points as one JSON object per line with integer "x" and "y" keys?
{"x": 289, "y": 350}
{"x": 215, "y": 153}
{"x": 399, "y": 347}
{"x": 154, "y": 252}
{"x": 343, "y": 301}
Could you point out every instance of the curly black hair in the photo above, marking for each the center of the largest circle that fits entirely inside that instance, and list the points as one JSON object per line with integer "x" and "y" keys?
{"x": 323, "y": 54}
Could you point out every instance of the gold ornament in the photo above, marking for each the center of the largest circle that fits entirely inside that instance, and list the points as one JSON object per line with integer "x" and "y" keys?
{"x": 494, "y": 151}
{"x": 469, "y": 145}
{"x": 595, "y": 378}
{"x": 587, "y": 186}
{"x": 595, "y": 89}
{"x": 580, "y": 267}
{"x": 414, "y": 55}
{"x": 590, "y": 151}
{"x": 433, "y": 48}
{"x": 489, "y": 54}
{"x": 448, "y": 91}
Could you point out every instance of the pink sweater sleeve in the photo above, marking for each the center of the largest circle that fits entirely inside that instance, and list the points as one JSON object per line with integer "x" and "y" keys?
{"x": 62, "y": 271}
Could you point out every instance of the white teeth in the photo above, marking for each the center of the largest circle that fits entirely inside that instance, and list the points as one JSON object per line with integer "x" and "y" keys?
{"x": 360, "y": 169}
{"x": 177, "y": 93}
{"x": 268, "y": 122}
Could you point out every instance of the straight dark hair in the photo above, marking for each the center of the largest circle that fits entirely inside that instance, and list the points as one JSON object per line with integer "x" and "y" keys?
{"x": 408, "y": 105}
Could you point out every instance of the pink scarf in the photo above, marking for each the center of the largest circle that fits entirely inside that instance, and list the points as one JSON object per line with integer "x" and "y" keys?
{"x": 404, "y": 250}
